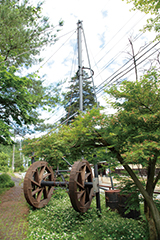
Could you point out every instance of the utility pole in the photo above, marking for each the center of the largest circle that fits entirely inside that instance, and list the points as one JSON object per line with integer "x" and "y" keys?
{"x": 13, "y": 153}
{"x": 134, "y": 59}
{"x": 80, "y": 75}
{"x": 79, "y": 30}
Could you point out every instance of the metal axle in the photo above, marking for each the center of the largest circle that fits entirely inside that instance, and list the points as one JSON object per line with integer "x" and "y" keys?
{"x": 52, "y": 183}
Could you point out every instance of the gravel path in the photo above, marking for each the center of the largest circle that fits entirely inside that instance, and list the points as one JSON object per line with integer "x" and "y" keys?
{"x": 13, "y": 213}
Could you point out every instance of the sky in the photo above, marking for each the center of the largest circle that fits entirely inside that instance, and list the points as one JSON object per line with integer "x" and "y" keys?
{"x": 108, "y": 25}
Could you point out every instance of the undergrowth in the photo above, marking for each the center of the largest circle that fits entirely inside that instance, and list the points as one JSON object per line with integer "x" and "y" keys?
{"x": 58, "y": 220}
{"x": 6, "y": 181}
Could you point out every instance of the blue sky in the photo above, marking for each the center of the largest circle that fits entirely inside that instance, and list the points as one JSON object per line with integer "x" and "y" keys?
{"x": 107, "y": 25}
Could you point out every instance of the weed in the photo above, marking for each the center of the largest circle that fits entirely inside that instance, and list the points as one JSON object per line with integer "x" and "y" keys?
{"x": 59, "y": 221}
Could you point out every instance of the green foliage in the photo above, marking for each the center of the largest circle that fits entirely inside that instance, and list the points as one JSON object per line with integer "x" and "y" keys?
{"x": 136, "y": 125}
{"x": 59, "y": 221}
{"x": 133, "y": 131}
{"x": 5, "y": 181}
{"x": 71, "y": 97}
{"x": 131, "y": 135}
{"x": 3, "y": 159}
{"x": 129, "y": 189}
{"x": 4, "y": 162}
{"x": 151, "y": 6}
{"x": 24, "y": 32}
{"x": 19, "y": 169}
{"x": 21, "y": 98}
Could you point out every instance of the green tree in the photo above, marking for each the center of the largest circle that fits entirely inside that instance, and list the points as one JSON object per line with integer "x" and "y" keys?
{"x": 24, "y": 32}
{"x": 151, "y": 6}
{"x": 3, "y": 161}
{"x": 131, "y": 135}
{"x": 20, "y": 99}
{"x": 71, "y": 98}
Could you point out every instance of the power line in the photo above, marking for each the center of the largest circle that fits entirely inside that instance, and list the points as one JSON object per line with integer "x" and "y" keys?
{"x": 33, "y": 48}
{"x": 118, "y": 40}
{"x": 116, "y": 56}
{"x": 126, "y": 70}
{"x": 132, "y": 59}
{"x": 56, "y": 51}
{"x": 116, "y": 33}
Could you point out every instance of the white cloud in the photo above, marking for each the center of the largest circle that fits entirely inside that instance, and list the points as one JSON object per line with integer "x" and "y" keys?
{"x": 107, "y": 25}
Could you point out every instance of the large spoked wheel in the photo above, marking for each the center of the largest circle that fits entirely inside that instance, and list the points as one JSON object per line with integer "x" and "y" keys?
{"x": 36, "y": 195}
{"x": 79, "y": 192}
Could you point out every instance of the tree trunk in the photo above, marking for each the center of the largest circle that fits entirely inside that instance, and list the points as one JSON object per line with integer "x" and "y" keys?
{"x": 151, "y": 225}
{"x": 154, "y": 219}
{"x": 150, "y": 189}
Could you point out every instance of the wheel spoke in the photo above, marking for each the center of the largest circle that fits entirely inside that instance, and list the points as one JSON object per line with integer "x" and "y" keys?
{"x": 41, "y": 173}
{"x": 45, "y": 192}
{"x": 87, "y": 175}
{"x": 79, "y": 194}
{"x": 36, "y": 191}
{"x": 46, "y": 175}
{"x": 80, "y": 185}
{"x": 36, "y": 176}
{"x": 35, "y": 183}
{"x": 83, "y": 175}
{"x": 83, "y": 197}
{"x": 39, "y": 195}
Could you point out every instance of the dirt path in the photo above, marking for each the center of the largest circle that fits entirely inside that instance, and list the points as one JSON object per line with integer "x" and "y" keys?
{"x": 13, "y": 213}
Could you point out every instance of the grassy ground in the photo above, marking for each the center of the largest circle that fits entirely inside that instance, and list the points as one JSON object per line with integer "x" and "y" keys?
{"x": 58, "y": 220}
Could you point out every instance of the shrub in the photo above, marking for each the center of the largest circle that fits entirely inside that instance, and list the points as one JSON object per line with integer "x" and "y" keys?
{"x": 19, "y": 169}
{"x": 5, "y": 181}
{"x": 4, "y": 169}
{"x": 3, "y": 162}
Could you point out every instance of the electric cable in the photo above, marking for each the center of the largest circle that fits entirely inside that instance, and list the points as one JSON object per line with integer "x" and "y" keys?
{"x": 116, "y": 33}
{"x": 33, "y": 48}
{"x": 126, "y": 71}
{"x": 128, "y": 62}
{"x": 115, "y": 57}
{"x": 118, "y": 41}
{"x": 89, "y": 66}
{"x": 55, "y": 52}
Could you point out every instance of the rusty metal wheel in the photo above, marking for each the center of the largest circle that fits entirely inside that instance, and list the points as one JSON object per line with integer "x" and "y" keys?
{"x": 80, "y": 193}
{"x": 36, "y": 195}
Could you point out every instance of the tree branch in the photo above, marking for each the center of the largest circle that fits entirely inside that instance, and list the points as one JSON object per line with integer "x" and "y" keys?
{"x": 156, "y": 180}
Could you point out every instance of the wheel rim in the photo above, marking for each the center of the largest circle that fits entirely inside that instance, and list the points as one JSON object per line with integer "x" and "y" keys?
{"x": 36, "y": 195}
{"x": 80, "y": 195}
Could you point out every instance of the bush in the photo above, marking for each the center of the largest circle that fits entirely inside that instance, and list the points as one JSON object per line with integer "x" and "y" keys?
{"x": 4, "y": 169}
{"x": 5, "y": 181}
{"x": 3, "y": 162}
{"x": 19, "y": 169}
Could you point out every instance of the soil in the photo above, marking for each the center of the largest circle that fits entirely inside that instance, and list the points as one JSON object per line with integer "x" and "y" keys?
{"x": 13, "y": 213}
